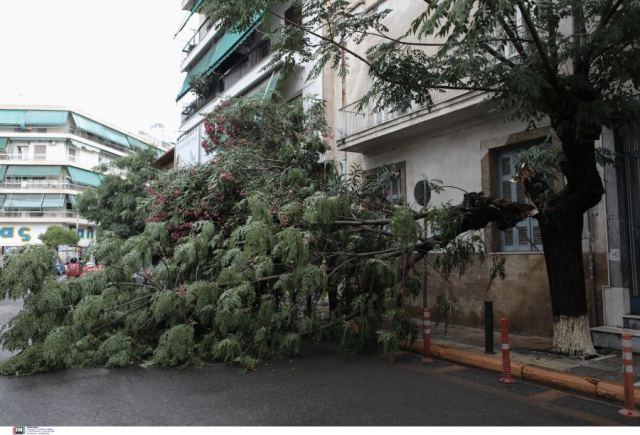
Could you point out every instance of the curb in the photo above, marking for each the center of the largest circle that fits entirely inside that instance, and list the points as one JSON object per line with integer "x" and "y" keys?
{"x": 582, "y": 384}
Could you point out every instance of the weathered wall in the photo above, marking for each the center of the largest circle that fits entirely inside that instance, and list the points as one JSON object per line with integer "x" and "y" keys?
{"x": 460, "y": 155}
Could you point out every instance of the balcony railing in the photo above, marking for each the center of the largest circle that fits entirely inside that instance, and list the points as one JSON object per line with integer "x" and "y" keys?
{"x": 41, "y": 184}
{"x": 351, "y": 120}
{"x": 198, "y": 36}
{"x": 99, "y": 140}
{"x": 36, "y": 158}
{"x": 232, "y": 76}
{"x": 40, "y": 214}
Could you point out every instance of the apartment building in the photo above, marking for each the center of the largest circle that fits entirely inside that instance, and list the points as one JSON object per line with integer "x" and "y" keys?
{"x": 464, "y": 144}
{"x": 48, "y": 157}
{"x": 226, "y": 65}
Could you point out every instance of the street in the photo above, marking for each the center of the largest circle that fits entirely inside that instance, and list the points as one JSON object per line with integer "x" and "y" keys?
{"x": 320, "y": 388}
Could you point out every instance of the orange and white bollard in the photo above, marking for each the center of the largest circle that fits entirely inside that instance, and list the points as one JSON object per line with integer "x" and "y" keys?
{"x": 629, "y": 409}
{"x": 426, "y": 334}
{"x": 506, "y": 356}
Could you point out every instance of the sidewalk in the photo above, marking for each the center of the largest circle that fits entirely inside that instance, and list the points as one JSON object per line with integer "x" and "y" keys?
{"x": 532, "y": 359}
{"x": 528, "y": 349}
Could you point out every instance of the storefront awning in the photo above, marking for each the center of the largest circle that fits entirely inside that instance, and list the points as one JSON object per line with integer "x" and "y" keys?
{"x": 226, "y": 45}
{"x": 33, "y": 171}
{"x": 86, "y": 178}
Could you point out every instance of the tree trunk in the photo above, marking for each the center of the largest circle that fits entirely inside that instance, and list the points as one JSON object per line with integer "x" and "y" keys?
{"x": 561, "y": 225}
{"x": 562, "y": 241}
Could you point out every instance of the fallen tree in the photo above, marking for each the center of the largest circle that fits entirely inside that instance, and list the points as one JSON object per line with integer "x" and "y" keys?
{"x": 570, "y": 64}
{"x": 242, "y": 258}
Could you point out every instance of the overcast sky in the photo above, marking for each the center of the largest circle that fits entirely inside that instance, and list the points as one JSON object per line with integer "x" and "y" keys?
{"x": 115, "y": 59}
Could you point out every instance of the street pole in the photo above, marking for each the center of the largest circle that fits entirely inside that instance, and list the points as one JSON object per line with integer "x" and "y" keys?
{"x": 488, "y": 327}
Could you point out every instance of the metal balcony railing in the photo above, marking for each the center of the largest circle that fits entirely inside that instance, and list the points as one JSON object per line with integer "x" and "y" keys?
{"x": 41, "y": 214}
{"x": 36, "y": 158}
{"x": 232, "y": 76}
{"x": 351, "y": 120}
{"x": 198, "y": 36}
{"x": 99, "y": 140}
{"x": 41, "y": 184}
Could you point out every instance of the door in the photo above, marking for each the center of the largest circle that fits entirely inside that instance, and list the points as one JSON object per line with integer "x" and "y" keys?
{"x": 631, "y": 216}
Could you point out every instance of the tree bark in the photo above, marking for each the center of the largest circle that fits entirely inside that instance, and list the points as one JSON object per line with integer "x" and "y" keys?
{"x": 562, "y": 241}
{"x": 561, "y": 224}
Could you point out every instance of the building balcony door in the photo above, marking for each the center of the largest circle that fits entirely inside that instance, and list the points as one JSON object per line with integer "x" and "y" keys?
{"x": 629, "y": 157}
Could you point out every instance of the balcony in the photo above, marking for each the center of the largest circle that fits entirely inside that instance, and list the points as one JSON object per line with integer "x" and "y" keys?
{"x": 198, "y": 36}
{"x": 57, "y": 216}
{"x": 232, "y": 76}
{"x": 359, "y": 130}
{"x": 99, "y": 140}
{"x": 41, "y": 185}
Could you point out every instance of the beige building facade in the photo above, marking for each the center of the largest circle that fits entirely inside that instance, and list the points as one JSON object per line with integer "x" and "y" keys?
{"x": 464, "y": 143}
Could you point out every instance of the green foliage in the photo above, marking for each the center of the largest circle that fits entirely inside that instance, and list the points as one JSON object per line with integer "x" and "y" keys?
{"x": 175, "y": 347}
{"x": 56, "y": 236}
{"x": 116, "y": 203}
{"x": 404, "y": 228}
{"x": 236, "y": 262}
{"x": 117, "y": 350}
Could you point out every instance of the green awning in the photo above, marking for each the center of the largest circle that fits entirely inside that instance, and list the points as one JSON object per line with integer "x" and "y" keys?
{"x": 265, "y": 90}
{"x": 11, "y": 117}
{"x": 97, "y": 129}
{"x": 33, "y": 117}
{"x": 3, "y": 169}
{"x": 53, "y": 201}
{"x": 24, "y": 201}
{"x": 135, "y": 143}
{"x": 46, "y": 117}
{"x": 2, "y": 198}
{"x": 33, "y": 171}
{"x": 196, "y": 7}
{"x": 226, "y": 45}
{"x": 74, "y": 200}
{"x": 3, "y": 143}
{"x": 86, "y": 178}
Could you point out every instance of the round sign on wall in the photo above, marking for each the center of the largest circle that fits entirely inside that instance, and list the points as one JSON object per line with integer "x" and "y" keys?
{"x": 422, "y": 192}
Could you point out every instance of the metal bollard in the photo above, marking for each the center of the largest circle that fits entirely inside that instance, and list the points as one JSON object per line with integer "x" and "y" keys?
{"x": 488, "y": 327}
{"x": 506, "y": 357}
{"x": 629, "y": 409}
{"x": 426, "y": 334}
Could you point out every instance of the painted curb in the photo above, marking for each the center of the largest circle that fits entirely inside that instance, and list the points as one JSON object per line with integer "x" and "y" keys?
{"x": 582, "y": 384}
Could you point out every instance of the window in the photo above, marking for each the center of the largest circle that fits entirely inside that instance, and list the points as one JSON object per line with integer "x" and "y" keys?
{"x": 40, "y": 152}
{"x": 525, "y": 236}
{"x": 72, "y": 154}
{"x": 395, "y": 189}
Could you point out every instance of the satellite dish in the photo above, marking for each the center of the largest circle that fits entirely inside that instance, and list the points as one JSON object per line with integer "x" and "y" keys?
{"x": 422, "y": 192}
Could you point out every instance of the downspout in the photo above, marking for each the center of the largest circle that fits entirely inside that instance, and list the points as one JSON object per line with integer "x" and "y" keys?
{"x": 592, "y": 271}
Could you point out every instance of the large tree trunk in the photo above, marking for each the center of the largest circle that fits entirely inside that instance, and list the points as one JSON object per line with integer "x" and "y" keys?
{"x": 562, "y": 241}
{"x": 561, "y": 224}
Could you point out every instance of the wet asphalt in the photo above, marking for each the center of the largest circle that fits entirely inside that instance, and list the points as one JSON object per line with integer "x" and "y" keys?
{"x": 322, "y": 387}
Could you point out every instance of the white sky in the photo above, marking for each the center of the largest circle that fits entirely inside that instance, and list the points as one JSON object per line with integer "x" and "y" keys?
{"x": 114, "y": 59}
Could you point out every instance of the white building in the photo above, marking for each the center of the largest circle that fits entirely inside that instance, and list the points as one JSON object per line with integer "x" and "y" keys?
{"x": 47, "y": 157}
{"x": 237, "y": 65}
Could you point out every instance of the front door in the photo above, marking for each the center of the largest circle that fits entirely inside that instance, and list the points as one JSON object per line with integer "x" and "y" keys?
{"x": 630, "y": 219}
